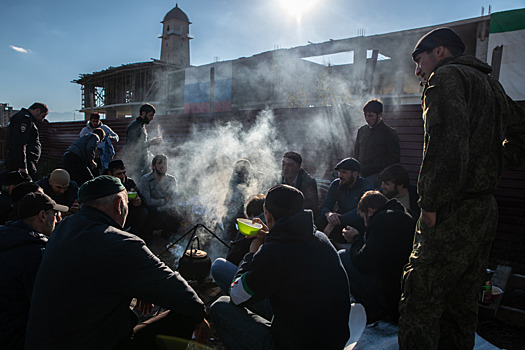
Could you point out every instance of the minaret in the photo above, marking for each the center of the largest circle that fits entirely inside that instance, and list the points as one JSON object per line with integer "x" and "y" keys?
{"x": 176, "y": 38}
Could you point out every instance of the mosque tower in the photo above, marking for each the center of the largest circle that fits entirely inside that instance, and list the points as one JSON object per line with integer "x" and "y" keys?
{"x": 176, "y": 38}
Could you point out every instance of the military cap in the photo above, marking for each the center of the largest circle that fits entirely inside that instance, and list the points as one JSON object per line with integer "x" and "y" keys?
{"x": 101, "y": 186}
{"x": 32, "y": 203}
{"x": 438, "y": 37}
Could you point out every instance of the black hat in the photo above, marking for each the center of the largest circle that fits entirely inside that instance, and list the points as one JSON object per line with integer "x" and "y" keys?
{"x": 348, "y": 164}
{"x": 101, "y": 186}
{"x": 32, "y": 203}
{"x": 438, "y": 37}
{"x": 16, "y": 177}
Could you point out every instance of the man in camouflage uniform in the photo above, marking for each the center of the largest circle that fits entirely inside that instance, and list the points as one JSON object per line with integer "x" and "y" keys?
{"x": 473, "y": 130}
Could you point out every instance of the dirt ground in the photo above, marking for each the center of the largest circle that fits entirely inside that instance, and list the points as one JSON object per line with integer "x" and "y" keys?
{"x": 500, "y": 334}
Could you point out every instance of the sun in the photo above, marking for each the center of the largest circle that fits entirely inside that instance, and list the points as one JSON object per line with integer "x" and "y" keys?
{"x": 297, "y": 8}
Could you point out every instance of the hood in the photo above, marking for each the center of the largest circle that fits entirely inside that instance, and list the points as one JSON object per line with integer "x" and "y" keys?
{"x": 293, "y": 228}
{"x": 466, "y": 60}
{"x": 392, "y": 204}
{"x": 18, "y": 234}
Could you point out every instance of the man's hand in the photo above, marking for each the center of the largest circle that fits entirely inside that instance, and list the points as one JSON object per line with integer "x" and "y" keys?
{"x": 429, "y": 218}
{"x": 144, "y": 307}
{"x": 349, "y": 233}
{"x": 261, "y": 235}
{"x": 74, "y": 207}
{"x": 202, "y": 332}
{"x": 333, "y": 218}
{"x": 136, "y": 201}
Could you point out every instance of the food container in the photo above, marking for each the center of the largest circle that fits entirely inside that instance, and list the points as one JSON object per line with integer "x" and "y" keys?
{"x": 247, "y": 228}
{"x": 496, "y": 293}
{"x": 132, "y": 195}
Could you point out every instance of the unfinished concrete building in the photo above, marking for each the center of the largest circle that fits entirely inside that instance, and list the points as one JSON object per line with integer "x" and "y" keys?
{"x": 381, "y": 66}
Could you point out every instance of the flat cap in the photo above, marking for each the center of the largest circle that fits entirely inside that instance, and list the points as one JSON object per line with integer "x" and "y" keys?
{"x": 348, "y": 164}
{"x": 438, "y": 37}
{"x": 101, "y": 186}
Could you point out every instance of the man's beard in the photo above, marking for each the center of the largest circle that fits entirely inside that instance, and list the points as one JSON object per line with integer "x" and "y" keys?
{"x": 349, "y": 184}
{"x": 159, "y": 173}
{"x": 392, "y": 194}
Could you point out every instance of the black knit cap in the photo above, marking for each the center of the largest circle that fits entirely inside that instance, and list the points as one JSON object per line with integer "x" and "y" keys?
{"x": 32, "y": 203}
{"x": 101, "y": 186}
{"x": 438, "y": 37}
{"x": 348, "y": 164}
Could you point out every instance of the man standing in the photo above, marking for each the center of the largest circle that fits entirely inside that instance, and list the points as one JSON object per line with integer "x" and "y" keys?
{"x": 292, "y": 174}
{"x": 61, "y": 189}
{"x": 91, "y": 271}
{"x": 137, "y": 144}
{"x": 159, "y": 191}
{"x": 343, "y": 195}
{"x": 472, "y": 131}
{"x": 138, "y": 214}
{"x": 23, "y": 143}
{"x": 395, "y": 183}
{"x": 22, "y": 245}
{"x": 106, "y": 151}
{"x": 377, "y": 144}
{"x": 374, "y": 266}
{"x": 298, "y": 269}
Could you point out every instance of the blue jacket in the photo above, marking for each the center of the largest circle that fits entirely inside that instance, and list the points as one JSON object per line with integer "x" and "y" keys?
{"x": 298, "y": 269}
{"x": 345, "y": 198}
{"x": 21, "y": 250}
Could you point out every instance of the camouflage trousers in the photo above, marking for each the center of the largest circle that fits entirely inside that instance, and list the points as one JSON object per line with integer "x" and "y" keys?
{"x": 441, "y": 282}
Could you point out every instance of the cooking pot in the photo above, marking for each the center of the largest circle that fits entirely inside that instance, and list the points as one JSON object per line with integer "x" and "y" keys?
{"x": 194, "y": 264}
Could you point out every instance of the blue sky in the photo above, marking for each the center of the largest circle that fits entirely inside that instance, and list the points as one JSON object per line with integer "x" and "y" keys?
{"x": 44, "y": 45}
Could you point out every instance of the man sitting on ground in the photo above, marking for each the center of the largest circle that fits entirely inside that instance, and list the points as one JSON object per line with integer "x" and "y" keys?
{"x": 138, "y": 214}
{"x": 22, "y": 244}
{"x": 91, "y": 271}
{"x": 375, "y": 266}
{"x": 292, "y": 174}
{"x": 61, "y": 189}
{"x": 343, "y": 196}
{"x": 298, "y": 269}
{"x": 395, "y": 183}
{"x": 159, "y": 190}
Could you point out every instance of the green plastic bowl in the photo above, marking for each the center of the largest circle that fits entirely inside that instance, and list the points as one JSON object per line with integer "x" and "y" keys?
{"x": 246, "y": 227}
{"x": 132, "y": 195}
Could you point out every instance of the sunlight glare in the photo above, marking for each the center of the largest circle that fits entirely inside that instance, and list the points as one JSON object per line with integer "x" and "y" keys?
{"x": 297, "y": 8}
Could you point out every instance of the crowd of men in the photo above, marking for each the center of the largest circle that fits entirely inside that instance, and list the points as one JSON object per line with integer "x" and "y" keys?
{"x": 74, "y": 252}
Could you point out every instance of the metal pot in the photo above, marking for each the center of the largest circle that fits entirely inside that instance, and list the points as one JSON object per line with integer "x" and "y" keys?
{"x": 194, "y": 264}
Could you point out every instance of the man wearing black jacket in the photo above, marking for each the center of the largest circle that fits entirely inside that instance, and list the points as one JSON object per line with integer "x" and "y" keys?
{"x": 92, "y": 270}
{"x": 297, "y": 268}
{"x": 23, "y": 143}
{"x": 22, "y": 245}
{"x": 374, "y": 267}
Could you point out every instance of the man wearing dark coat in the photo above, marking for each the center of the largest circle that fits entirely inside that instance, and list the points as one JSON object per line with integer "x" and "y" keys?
{"x": 22, "y": 245}
{"x": 137, "y": 152}
{"x": 23, "y": 143}
{"x": 374, "y": 264}
{"x": 294, "y": 175}
{"x": 79, "y": 158}
{"x": 90, "y": 273}
{"x": 377, "y": 144}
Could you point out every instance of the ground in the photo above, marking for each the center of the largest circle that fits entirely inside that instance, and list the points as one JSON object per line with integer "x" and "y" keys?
{"x": 501, "y": 334}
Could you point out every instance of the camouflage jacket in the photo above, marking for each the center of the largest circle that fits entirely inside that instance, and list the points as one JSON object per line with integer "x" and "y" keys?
{"x": 473, "y": 130}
